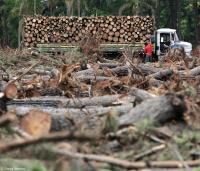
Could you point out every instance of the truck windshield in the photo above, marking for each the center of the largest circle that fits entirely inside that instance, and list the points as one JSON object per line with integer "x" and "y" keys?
{"x": 176, "y": 39}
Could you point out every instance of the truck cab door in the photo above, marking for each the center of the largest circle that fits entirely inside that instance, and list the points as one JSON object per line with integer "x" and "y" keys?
{"x": 157, "y": 43}
{"x": 165, "y": 42}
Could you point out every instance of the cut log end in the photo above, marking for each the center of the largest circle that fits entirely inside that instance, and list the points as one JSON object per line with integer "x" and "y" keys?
{"x": 10, "y": 91}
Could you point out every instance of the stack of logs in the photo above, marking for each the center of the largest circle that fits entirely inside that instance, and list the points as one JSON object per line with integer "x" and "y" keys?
{"x": 117, "y": 29}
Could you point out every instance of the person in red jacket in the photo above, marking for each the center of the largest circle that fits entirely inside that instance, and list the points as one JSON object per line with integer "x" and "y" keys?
{"x": 148, "y": 50}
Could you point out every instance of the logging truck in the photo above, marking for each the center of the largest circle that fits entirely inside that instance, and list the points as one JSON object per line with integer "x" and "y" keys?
{"x": 115, "y": 34}
{"x": 163, "y": 40}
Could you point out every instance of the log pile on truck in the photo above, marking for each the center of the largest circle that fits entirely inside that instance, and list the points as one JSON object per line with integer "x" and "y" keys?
{"x": 70, "y": 30}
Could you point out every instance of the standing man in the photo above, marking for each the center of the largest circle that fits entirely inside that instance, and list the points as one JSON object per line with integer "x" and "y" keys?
{"x": 148, "y": 50}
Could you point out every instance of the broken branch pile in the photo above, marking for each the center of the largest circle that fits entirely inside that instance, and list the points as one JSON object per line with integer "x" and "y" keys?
{"x": 110, "y": 105}
{"x": 101, "y": 88}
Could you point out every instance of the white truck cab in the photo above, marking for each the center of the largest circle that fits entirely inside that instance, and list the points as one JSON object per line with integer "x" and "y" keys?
{"x": 166, "y": 38}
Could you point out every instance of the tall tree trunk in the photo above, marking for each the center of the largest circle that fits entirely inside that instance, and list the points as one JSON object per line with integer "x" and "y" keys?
{"x": 178, "y": 2}
{"x": 5, "y": 34}
{"x": 79, "y": 7}
{"x": 1, "y": 32}
{"x": 173, "y": 13}
{"x": 20, "y": 32}
{"x": 98, "y": 3}
{"x": 137, "y": 7}
{"x": 157, "y": 14}
{"x": 34, "y": 7}
{"x": 196, "y": 21}
{"x": 69, "y": 5}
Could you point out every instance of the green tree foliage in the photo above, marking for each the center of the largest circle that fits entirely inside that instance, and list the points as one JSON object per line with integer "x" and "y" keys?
{"x": 9, "y": 22}
{"x": 182, "y": 15}
{"x": 11, "y": 12}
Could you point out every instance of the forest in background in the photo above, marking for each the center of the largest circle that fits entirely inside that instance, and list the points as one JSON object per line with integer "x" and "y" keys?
{"x": 183, "y": 15}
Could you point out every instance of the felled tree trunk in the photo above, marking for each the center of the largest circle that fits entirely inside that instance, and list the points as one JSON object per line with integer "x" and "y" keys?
{"x": 94, "y": 78}
{"x": 195, "y": 71}
{"x": 107, "y": 65}
{"x": 57, "y": 101}
{"x": 140, "y": 95}
{"x": 163, "y": 74}
{"x": 67, "y": 118}
{"x": 118, "y": 71}
{"x": 148, "y": 69}
{"x": 159, "y": 109}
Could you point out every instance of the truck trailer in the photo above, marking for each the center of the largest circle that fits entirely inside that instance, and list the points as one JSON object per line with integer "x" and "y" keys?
{"x": 117, "y": 34}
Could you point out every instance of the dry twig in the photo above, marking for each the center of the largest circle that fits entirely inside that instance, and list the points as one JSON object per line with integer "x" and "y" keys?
{"x": 127, "y": 164}
{"x": 51, "y": 137}
{"x": 28, "y": 70}
{"x": 150, "y": 151}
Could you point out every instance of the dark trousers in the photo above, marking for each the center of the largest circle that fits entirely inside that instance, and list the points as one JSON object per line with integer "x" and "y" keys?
{"x": 148, "y": 58}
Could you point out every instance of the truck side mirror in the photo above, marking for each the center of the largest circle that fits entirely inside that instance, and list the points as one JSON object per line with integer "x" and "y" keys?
{"x": 162, "y": 40}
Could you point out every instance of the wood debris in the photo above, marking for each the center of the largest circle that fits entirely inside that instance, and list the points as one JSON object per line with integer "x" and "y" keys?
{"x": 110, "y": 112}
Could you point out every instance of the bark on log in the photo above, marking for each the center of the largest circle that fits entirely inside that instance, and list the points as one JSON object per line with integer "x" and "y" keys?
{"x": 163, "y": 74}
{"x": 108, "y": 65}
{"x": 119, "y": 71}
{"x": 166, "y": 73}
{"x": 159, "y": 73}
{"x": 148, "y": 69}
{"x": 195, "y": 71}
{"x": 159, "y": 109}
{"x": 94, "y": 78}
{"x": 125, "y": 70}
{"x": 50, "y": 92}
{"x": 154, "y": 82}
{"x": 140, "y": 95}
{"x": 64, "y": 118}
{"x": 57, "y": 101}
{"x": 87, "y": 72}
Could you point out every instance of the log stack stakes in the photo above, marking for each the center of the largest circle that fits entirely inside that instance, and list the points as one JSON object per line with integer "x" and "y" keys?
{"x": 71, "y": 30}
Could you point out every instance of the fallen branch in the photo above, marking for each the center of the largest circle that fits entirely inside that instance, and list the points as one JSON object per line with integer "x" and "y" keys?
{"x": 179, "y": 156}
{"x": 150, "y": 152}
{"x": 124, "y": 163}
{"x": 133, "y": 67}
{"x": 71, "y": 136}
{"x": 28, "y": 70}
